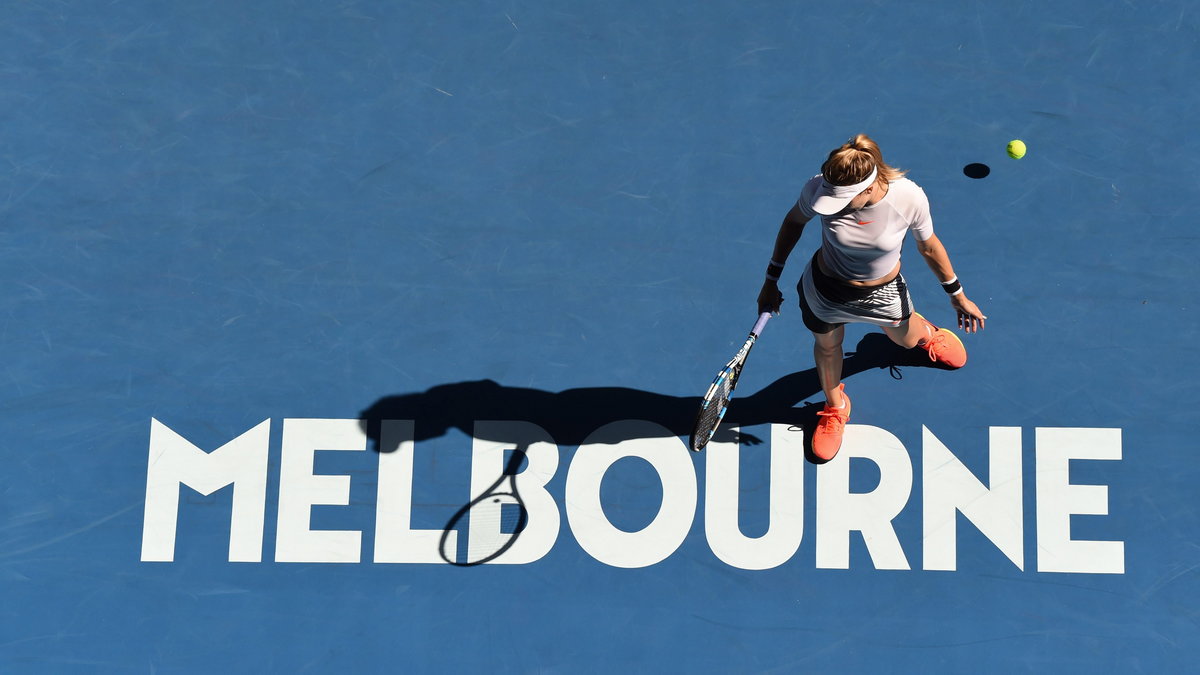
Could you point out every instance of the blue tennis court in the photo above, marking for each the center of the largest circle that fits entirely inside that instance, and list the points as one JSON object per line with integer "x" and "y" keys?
{"x": 289, "y": 285}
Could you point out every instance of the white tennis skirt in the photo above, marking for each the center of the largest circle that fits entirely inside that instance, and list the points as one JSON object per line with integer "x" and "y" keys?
{"x": 827, "y": 302}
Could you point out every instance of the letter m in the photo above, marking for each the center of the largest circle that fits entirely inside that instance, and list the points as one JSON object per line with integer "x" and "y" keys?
{"x": 174, "y": 461}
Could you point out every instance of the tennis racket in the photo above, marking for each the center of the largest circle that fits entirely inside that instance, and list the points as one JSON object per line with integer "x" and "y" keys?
{"x": 495, "y": 518}
{"x": 716, "y": 401}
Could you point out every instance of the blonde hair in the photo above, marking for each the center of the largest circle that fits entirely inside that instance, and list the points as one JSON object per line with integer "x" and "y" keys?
{"x": 853, "y": 162}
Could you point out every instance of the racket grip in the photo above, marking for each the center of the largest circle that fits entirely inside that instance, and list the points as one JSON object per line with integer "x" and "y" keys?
{"x": 762, "y": 322}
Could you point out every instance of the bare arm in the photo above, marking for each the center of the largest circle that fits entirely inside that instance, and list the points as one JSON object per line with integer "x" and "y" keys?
{"x": 769, "y": 298}
{"x": 970, "y": 319}
{"x": 789, "y": 233}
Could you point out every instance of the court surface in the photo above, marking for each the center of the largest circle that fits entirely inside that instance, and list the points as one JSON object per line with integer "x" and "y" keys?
{"x": 233, "y": 230}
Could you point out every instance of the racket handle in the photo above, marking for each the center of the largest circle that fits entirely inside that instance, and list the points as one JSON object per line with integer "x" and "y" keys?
{"x": 761, "y": 323}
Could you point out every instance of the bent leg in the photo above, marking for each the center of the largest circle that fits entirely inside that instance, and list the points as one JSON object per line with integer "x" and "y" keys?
{"x": 910, "y": 333}
{"x": 943, "y": 345}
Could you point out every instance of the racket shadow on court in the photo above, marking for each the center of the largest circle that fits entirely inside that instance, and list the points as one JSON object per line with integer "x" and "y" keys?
{"x": 498, "y": 511}
{"x": 571, "y": 416}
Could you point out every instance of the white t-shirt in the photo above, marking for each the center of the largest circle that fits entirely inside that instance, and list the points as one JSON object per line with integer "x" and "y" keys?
{"x": 865, "y": 244}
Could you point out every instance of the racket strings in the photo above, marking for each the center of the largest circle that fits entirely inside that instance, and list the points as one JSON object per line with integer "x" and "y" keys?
{"x": 712, "y": 411}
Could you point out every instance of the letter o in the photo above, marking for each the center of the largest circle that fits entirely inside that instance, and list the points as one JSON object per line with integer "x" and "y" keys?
{"x": 673, "y": 462}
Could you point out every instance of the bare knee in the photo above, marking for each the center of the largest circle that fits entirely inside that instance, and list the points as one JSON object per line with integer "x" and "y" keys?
{"x": 827, "y": 351}
{"x": 907, "y": 335}
{"x": 828, "y": 345}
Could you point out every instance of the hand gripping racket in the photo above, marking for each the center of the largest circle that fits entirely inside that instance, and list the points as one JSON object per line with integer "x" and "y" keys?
{"x": 716, "y": 401}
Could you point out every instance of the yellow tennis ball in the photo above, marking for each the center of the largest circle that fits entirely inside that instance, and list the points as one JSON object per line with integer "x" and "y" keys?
{"x": 1016, "y": 149}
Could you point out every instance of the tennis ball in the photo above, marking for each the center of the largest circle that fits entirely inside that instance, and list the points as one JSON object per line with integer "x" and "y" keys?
{"x": 1016, "y": 149}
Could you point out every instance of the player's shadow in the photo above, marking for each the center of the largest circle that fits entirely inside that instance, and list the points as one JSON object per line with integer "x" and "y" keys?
{"x": 572, "y": 417}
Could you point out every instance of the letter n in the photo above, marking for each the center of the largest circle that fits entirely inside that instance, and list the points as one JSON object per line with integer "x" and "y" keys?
{"x": 950, "y": 488}
{"x": 174, "y": 461}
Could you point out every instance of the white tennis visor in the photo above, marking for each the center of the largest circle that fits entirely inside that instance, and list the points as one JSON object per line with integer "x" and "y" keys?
{"x": 833, "y": 198}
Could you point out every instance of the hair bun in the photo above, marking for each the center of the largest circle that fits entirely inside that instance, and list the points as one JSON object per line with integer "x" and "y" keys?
{"x": 854, "y": 160}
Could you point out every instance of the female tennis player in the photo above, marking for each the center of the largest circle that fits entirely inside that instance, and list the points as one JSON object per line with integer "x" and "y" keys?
{"x": 865, "y": 208}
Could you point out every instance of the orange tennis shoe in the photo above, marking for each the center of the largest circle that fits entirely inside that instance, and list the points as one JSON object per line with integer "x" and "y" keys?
{"x": 828, "y": 438}
{"x": 943, "y": 346}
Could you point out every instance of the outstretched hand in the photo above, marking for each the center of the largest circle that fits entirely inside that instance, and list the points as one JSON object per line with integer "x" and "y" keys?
{"x": 970, "y": 319}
